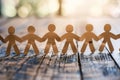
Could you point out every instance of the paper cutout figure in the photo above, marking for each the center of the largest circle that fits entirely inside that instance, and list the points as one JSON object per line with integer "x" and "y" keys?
{"x": 106, "y": 36}
{"x": 118, "y": 36}
{"x": 1, "y": 38}
{"x": 51, "y": 37}
{"x": 69, "y": 36}
{"x": 11, "y": 38}
{"x": 88, "y": 36}
{"x": 31, "y": 37}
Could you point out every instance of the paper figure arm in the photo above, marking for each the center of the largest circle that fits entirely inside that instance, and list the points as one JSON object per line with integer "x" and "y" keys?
{"x": 57, "y": 37}
{"x": 76, "y": 37}
{"x": 113, "y": 36}
{"x": 38, "y": 38}
{"x": 44, "y": 37}
{"x": 101, "y": 36}
{"x": 82, "y": 37}
{"x": 95, "y": 37}
{"x": 1, "y": 38}
{"x": 118, "y": 36}
{"x": 26, "y": 37}
{"x": 6, "y": 39}
{"x": 18, "y": 38}
{"x": 63, "y": 37}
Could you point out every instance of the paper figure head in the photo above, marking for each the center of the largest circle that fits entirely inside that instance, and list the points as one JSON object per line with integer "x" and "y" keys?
{"x": 31, "y": 29}
{"x": 69, "y": 28}
{"x": 11, "y": 30}
{"x": 89, "y": 27}
{"x": 107, "y": 27}
{"x": 51, "y": 27}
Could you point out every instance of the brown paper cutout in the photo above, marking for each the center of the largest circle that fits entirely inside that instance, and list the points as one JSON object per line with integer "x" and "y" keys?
{"x": 106, "y": 36}
{"x": 88, "y": 36}
{"x": 11, "y": 38}
{"x": 118, "y": 36}
{"x": 69, "y": 36}
{"x": 31, "y": 37}
{"x": 51, "y": 37}
{"x": 1, "y": 38}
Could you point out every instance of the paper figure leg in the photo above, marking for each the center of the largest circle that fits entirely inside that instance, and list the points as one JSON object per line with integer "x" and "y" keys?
{"x": 74, "y": 48}
{"x": 64, "y": 50}
{"x": 110, "y": 46}
{"x": 84, "y": 47}
{"x": 8, "y": 49}
{"x": 47, "y": 48}
{"x": 16, "y": 49}
{"x": 27, "y": 49}
{"x": 102, "y": 46}
{"x": 55, "y": 49}
{"x": 35, "y": 48}
{"x": 92, "y": 47}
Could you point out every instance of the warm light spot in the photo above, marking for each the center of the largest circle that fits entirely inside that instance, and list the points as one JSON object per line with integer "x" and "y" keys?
{"x": 83, "y": 7}
{"x": 102, "y": 2}
{"x": 96, "y": 11}
{"x": 24, "y": 10}
{"x": 53, "y": 6}
{"x": 69, "y": 7}
{"x": 47, "y": 7}
{"x": 9, "y": 11}
{"x": 42, "y": 10}
{"x": 115, "y": 12}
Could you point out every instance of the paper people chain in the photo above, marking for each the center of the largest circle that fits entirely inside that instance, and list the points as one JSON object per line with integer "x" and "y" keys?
{"x": 11, "y": 39}
{"x": 69, "y": 36}
{"x": 88, "y": 36}
{"x": 31, "y": 37}
{"x": 51, "y": 38}
{"x": 107, "y": 35}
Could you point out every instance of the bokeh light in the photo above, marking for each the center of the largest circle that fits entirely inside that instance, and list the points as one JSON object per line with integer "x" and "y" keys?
{"x": 70, "y": 8}
{"x": 24, "y": 10}
{"x": 9, "y": 11}
{"x": 96, "y": 11}
{"x": 42, "y": 9}
{"x": 48, "y": 7}
{"x": 8, "y": 8}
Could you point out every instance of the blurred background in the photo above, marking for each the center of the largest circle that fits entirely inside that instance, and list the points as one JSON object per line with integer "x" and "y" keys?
{"x": 41, "y": 13}
{"x": 69, "y": 8}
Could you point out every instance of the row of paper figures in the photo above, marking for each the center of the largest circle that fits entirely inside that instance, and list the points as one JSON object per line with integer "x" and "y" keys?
{"x": 51, "y": 37}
